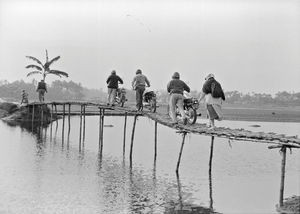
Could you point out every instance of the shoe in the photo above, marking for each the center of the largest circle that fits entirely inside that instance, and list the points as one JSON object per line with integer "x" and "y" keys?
{"x": 107, "y": 104}
{"x": 113, "y": 105}
{"x": 185, "y": 120}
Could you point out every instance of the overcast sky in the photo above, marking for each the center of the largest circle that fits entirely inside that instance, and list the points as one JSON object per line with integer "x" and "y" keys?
{"x": 250, "y": 45}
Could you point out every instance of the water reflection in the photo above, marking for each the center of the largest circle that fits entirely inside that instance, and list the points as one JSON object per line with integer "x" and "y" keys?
{"x": 120, "y": 187}
{"x": 105, "y": 183}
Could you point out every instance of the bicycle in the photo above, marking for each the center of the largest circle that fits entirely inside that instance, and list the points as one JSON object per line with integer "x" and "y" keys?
{"x": 121, "y": 96}
{"x": 190, "y": 106}
{"x": 150, "y": 101}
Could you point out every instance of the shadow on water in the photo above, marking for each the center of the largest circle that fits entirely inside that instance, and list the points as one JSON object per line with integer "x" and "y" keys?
{"x": 38, "y": 130}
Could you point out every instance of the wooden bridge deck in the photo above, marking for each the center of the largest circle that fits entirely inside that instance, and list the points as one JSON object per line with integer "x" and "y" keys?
{"x": 164, "y": 119}
{"x": 231, "y": 134}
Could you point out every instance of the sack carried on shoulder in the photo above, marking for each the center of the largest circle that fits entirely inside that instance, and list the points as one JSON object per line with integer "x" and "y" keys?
{"x": 217, "y": 91}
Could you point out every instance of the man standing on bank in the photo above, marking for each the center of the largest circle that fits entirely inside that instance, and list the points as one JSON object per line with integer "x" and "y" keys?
{"x": 214, "y": 96}
{"x": 139, "y": 84}
{"x": 112, "y": 84}
{"x": 175, "y": 88}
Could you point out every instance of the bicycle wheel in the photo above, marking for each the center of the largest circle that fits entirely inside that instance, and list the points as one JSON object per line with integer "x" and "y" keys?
{"x": 153, "y": 105}
{"x": 191, "y": 115}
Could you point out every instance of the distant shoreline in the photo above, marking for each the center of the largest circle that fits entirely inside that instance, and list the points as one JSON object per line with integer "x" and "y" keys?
{"x": 253, "y": 113}
{"x": 240, "y": 113}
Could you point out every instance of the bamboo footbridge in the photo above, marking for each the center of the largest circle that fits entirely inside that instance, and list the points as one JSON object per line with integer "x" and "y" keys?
{"x": 280, "y": 141}
{"x": 275, "y": 140}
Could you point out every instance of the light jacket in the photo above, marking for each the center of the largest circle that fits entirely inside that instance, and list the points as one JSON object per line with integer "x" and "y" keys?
{"x": 140, "y": 80}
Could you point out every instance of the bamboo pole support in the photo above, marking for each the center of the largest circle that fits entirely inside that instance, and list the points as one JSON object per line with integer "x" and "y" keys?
{"x": 283, "y": 162}
{"x": 209, "y": 171}
{"x": 179, "y": 192}
{"x": 69, "y": 123}
{"x": 51, "y": 113}
{"x": 69, "y": 119}
{"x": 155, "y": 141}
{"x": 180, "y": 153}
{"x": 63, "y": 125}
{"x": 69, "y": 115}
{"x": 124, "y": 134}
{"x": 83, "y": 123}
{"x": 100, "y": 126}
{"x": 80, "y": 129}
{"x": 102, "y": 130}
{"x": 51, "y": 119}
{"x": 132, "y": 138}
{"x": 55, "y": 107}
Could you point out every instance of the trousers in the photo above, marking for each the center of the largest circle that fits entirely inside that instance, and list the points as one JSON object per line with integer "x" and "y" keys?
{"x": 176, "y": 100}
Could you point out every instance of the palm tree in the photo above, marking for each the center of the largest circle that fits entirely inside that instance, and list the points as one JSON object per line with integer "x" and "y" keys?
{"x": 44, "y": 69}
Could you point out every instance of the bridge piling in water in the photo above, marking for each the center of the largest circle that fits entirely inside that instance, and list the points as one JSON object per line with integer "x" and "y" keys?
{"x": 80, "y": 128}
{"x": 69, "y": 123}
{"x": 132, "y": 138}
{"x": 102, "y": 130}
{"x": 69, "y": 113}
{"x": 124, "y": 134}
{"x": 181, "y": 149}
{"x": 282, "y": 177}
{"x": 83, "y": 123}
{"x": 100, "y": 112}
{"x": 155, "y": 141}
{"x": 210, "y": 170}
{"x": 55, "y": 107}
{"x": 63, "y": 125}
{"x": 283, "y": 164}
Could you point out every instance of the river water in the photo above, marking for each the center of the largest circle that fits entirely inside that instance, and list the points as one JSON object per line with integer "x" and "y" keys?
{"x": 46, "y": 171}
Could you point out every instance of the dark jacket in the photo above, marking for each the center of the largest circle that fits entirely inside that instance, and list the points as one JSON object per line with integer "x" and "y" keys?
{"x": 113, "y": 80}
{"x": 42, "y": 85}
{"x": 177, "y": 86}
{"x": 207, "y": 87}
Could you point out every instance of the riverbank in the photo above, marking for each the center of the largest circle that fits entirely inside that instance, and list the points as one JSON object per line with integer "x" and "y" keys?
{"x": 252, "y": 113}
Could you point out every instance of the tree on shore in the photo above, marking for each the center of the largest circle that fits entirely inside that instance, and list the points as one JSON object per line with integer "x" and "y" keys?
{"x": 44, "y": 69}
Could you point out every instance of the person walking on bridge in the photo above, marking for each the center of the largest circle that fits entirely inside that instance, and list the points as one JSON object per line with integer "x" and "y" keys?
{"x": 139, "y": 83}
{"x": 176, "y": 87}
{"x": 24, "y": 100}
{"x": 214, "y": 96}
{"x": 113, "y": 84}
{"x": 41, "y": 89}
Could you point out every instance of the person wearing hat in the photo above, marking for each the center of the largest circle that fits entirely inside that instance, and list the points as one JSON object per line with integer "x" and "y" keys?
{"x": 112, "y": 85}
{"x": 176, "y": 87}
{"x": 139, "y": 83}
{"x": 214, "y": 96}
